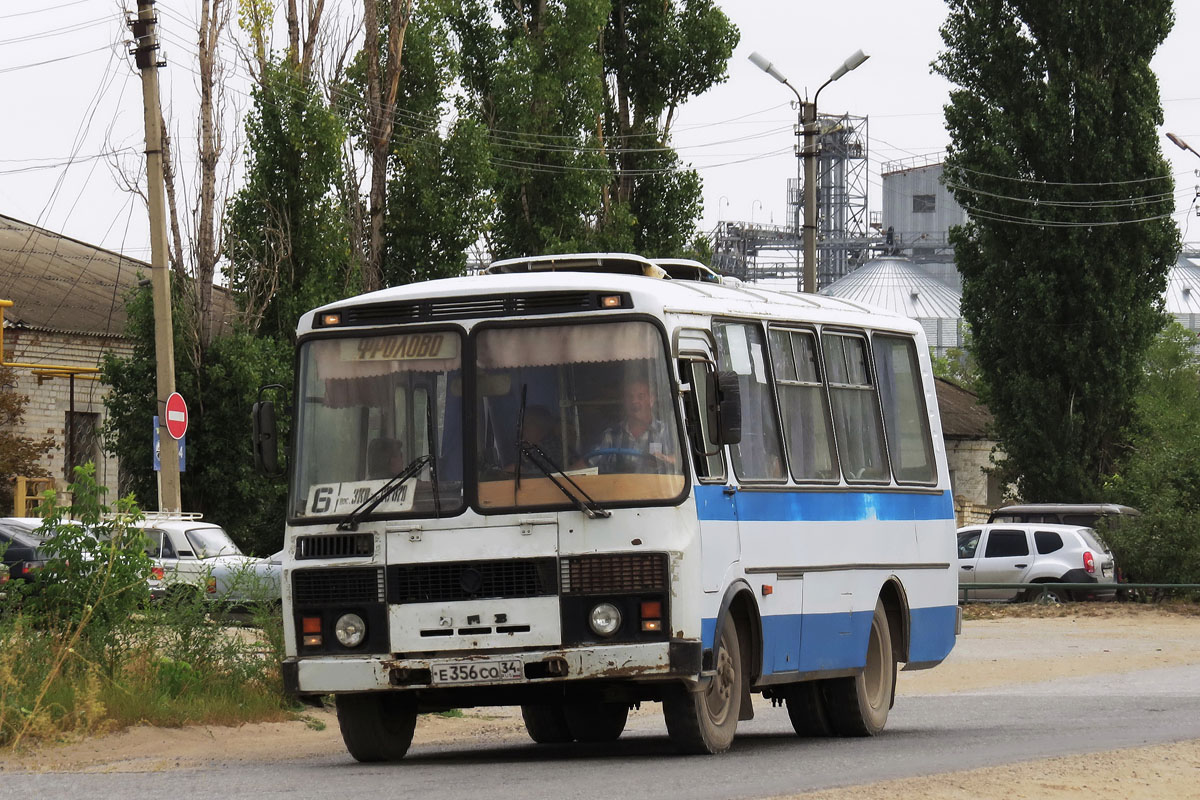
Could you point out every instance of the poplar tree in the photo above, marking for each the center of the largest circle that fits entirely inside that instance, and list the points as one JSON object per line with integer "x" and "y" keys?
{"x": 1055, "y": 156}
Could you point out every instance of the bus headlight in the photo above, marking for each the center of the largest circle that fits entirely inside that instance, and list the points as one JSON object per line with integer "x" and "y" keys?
{"x": 350, "y": 630}
{"x": 605, "y": 619}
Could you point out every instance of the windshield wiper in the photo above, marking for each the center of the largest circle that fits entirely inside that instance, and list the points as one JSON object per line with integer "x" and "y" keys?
{"x": 350, "y": 523}
{"x": 583, "y": 501}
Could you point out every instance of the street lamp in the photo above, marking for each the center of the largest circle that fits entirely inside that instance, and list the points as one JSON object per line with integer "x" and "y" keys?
{"x": 1180, "y": 143}
{"x": 808, "y": 120}
{"x": 724, "y": 201}
{"x": 752, "y": 205}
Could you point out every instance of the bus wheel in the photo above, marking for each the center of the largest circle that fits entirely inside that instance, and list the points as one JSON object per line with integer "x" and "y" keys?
{"x": 596, "y": 722}
{"x": 806, "y": 709}
{"x": 858, "y": 706}
{"x": 546, "y": 724}
{"x": 376, "y": 726}
{"x": 705, "y": 721}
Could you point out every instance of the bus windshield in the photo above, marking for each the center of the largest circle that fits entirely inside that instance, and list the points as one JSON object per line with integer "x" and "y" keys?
{"x": 367, "y": 408}
{"x": 594, "y": 399}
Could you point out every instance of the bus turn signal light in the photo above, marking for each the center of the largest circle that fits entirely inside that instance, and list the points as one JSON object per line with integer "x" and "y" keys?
{"x": 331, "y": 319}
{"x": 610, "y": 301}
{"x": 651, "y": 615}
{"x": 311, "y": 624}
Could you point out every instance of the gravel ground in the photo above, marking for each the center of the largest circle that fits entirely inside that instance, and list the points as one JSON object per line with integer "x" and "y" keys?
{"x": 1000, "y": 646}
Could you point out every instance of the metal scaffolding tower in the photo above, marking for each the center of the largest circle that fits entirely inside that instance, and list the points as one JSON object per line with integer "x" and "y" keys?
{"x": 844, "y": 237}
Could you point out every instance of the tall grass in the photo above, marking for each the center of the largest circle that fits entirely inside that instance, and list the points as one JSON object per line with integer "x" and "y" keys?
{"x": 82, "y": 650}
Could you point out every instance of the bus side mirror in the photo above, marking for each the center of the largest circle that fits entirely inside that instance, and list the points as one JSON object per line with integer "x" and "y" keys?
{"x": 725, "y": 407}
{"x": 266, "y": 438}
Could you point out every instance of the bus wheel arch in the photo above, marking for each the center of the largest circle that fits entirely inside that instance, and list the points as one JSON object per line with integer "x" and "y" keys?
{"x": 739, "y": 602}
{"x": 895, "y": 605}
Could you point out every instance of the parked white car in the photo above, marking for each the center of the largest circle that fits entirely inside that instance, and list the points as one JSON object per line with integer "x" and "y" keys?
{"x": 256, "y": 581}
{"x": 1033, "y": 553}
{"x": 188, "y": 552}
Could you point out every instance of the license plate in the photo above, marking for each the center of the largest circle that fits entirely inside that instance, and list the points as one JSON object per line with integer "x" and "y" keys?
{"x": 1106, "y": 570}
{"x": 477, "y": 671}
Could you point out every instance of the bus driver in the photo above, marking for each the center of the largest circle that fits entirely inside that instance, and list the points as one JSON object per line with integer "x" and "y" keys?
{"x": 640, "y": 442}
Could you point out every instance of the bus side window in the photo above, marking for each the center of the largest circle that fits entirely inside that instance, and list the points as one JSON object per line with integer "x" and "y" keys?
{"x": 904, "y": 412}
{"x": 807, "y": 427}
{"x": 707, "y": 457}
{"x": 741, "y": 348}
{"x": 856, "y": 417}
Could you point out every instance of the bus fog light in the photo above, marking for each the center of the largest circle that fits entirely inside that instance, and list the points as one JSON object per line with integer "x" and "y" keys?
{"x": 605, "y": 619}
{"x": 350, "y": 630}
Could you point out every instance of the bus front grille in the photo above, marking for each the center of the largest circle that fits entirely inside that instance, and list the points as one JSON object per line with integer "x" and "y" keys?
{"x": 340, "y": 545}
{"x": 471, "y": 580}
{"x": 318, "y": 587}
{"x": 607, "y": 574}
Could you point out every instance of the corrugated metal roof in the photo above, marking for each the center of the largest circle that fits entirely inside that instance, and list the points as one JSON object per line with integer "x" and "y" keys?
{"x": 900, "y": 286}
{"x": 60, "y": 284}
{"x": 963, "y": 416}
{"x": 1183, "y": 288}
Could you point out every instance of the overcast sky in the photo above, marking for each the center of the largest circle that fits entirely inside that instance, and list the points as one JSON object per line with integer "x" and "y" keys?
{"x": 71, "y": 96}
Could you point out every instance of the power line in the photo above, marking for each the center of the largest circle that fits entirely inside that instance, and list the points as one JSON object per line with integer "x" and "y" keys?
{"x": 40, "y": 10}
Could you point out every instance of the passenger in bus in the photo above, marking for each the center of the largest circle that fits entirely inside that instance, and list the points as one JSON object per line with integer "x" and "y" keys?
{"x": 385, "y": 458}
{"x": 542, "y": 428}
{"x": 640, "y": 442}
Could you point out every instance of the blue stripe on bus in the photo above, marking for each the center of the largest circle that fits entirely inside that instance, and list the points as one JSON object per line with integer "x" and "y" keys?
{"x": 749, "y": 506}
{"x": 814, "y": 642}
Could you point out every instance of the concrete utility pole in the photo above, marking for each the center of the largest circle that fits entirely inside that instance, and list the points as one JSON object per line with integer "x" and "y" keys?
{"x": 808, "y": 125}
{"x": 146, "y": 57}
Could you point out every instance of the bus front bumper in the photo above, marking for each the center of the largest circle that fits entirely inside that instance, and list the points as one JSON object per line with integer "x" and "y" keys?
{"x": 314, "y": 675}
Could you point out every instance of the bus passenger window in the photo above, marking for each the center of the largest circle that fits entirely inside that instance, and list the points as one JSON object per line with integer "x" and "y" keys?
{"x": 904, "y": 414}
{"x": 855, "y": 408}
{"x": 807, "y": 427}
{"x": 740, "y": 348}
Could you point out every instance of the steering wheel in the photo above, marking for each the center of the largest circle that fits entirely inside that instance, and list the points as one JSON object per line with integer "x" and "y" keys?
{"x": 624, "y": 452}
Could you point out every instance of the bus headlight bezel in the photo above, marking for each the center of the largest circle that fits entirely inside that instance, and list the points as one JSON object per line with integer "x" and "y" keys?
{"x": 604, "y": 619}
{"x": 350, "y": 630}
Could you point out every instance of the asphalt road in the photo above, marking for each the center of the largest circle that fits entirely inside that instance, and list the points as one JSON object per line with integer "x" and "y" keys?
{"x": 925, "y": 735}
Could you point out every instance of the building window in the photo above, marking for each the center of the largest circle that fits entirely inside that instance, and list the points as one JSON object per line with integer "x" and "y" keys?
{"x": 924, "y": 203}
{"x": 83, "y": 443}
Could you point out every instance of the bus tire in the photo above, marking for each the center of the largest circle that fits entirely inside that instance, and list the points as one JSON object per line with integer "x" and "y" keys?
{"x": 546, "y": 723}
{"x": 376, "y": 726}
{"x": 859, "y": 705}
{"x": 806, "y": 709}
{"x": 705, "y": 721}
{"x": 596, "y": 722}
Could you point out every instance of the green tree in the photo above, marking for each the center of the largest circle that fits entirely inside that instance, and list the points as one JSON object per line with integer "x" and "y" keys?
{"x": 220, "y": 480}
{"x": 287, "y": 235}
{"x": 533, "y": 77}
{"x": 1054, "y": 154}
{"x": 656, "y": 56}
{"x": 19, "y": 455}
{"x": 1159, "y": 469}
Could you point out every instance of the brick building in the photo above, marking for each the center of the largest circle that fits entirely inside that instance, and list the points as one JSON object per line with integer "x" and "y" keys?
{"x": 68, "y": 308}
{"x": 966, "y": 427}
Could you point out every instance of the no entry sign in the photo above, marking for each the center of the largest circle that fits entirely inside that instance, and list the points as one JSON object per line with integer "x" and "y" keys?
{"x": 177, "y": 416}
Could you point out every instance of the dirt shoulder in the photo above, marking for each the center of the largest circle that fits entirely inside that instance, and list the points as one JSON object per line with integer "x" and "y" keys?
{"x": 999, "y": 646}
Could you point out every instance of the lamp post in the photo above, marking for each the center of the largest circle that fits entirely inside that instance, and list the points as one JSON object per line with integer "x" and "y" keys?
{"x": 724, "y": 201}
{"x": 808, "y": 122}
{"x": 752, "y": 205}
{"x": 1181, "y": 144}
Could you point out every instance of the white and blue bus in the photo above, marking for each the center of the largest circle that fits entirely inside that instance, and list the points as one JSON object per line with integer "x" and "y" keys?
{"x": 576, "y": 484}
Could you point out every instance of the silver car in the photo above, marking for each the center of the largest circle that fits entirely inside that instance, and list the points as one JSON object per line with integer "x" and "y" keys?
{"x": 1034, "y": 553}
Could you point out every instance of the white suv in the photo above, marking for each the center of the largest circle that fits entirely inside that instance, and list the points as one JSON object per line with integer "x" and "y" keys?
{"x": 1033, "y": 553}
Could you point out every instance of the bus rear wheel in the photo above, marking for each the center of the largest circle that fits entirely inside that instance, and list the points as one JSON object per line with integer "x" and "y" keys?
{"x": 596, "y": 722}
{"x": 376, "y": 726}
{"x": 859, "y": 705}
{"x": 706, "y": 721}
{"x": 806, "y": 709}
{"x": 546, "y": 723}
